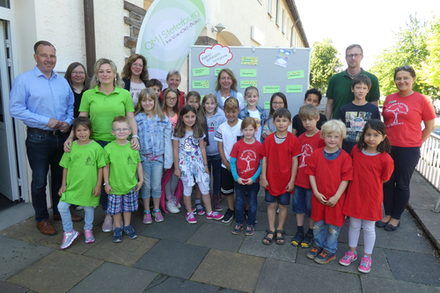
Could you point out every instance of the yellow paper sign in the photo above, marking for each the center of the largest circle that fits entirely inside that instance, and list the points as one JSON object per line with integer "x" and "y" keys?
{"x": 249, "y": 60}
{"x": 246, "y": 83}
{"x": 201, "y": 71}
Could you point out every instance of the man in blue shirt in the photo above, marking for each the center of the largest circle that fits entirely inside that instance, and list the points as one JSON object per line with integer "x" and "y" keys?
{"x": 43, "y": 100}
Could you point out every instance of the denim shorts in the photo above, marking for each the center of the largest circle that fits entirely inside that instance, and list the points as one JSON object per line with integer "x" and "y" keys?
{"x": 282, "y": 199}
{"x": 302, "y": 200}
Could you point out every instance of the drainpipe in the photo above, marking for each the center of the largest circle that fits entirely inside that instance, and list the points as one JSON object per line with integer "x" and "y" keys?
{"x": 89, "y": 30}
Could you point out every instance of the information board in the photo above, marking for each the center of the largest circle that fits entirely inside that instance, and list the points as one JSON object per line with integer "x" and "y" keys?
{"x": 271, "y": 70}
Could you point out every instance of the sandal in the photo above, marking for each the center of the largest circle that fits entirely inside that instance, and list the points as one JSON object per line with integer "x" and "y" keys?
{"x": 268, "y": 240}
{"x": 279, "y": 239}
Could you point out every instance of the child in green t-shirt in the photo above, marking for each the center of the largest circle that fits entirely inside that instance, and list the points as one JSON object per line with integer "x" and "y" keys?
{"x": 121, "y": 184}
{"x": 82, "y": 179}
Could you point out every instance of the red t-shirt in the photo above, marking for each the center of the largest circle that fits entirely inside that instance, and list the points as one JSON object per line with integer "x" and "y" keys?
{"x": 279, "y": 162}
{"x": 365, "y": 194}
{"x": 248, "y": 157}
{"x": 308, "y": 145}
{"x": 403, "y": 117}
{"x": 329, "y": 174}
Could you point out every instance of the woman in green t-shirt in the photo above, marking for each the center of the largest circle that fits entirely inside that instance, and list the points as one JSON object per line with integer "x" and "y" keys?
{"x": 105, "y": 100}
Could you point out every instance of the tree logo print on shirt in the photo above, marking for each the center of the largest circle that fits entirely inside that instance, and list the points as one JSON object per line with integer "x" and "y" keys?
{"x": 248, "y": 156}
{"x": 89, "y": 161}
{"x": 130, "y": 161}
{"x": 306, "y": 151}
{"x": 396, "y": 109}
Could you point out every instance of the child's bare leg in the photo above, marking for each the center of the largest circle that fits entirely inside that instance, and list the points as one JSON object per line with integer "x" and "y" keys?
{"x": 187, "y": 203}
{"x": 282, "y": 215}
{"x": 271, "y": 208}
{"x": 117, "y": 220}
{"x": 127, "y": 218}
{"x": 146, "y": 203}
{"x": 300, "y": 220}
{"x": 207, "y": 202}
{"x": 156, "y": 202}
{"x": 230, "y": 201}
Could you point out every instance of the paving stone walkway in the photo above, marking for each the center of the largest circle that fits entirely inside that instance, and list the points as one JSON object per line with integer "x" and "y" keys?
{"x": 174, "y": 256}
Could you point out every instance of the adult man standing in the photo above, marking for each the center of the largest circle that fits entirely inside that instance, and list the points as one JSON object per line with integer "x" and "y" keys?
{"x": 43, "y": 100}
{"x": 339, "y": 90}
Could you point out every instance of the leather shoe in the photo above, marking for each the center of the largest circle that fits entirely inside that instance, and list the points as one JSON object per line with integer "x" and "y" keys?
{"x": 391, "y": 228}
{"x": 381, "y": 224}
{"x": 46, "y": 228}
{"x": 75, "y": 218}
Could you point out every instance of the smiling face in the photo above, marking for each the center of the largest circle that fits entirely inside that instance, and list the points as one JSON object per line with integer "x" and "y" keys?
{"x": 106, "y": 75}
{"x": 354, "y": 57}
{"x": 46, "y": 58}
{"x": 312, "y": 99}
{"x": 173, "y": 81}
{"x": 332, "y": 141}
{"x": 231, "y": 116}
{"x": 194, "y": 102}
{"x": 171, "y": 100}
{"x": 404, "y": 81}
{"x": 189, "y": 119}
{"x": 82, "y": 134}
{"x": 210, "y": 105}
{"x": 78, "y": 75}
{"x": 225, "y": 80}
{"x": 137, "y": 67}
{"x": 251, "y": 98}
{"x": 148, "y": 104}
{"x": 121, "y": 130}
{"x": 277, "y": 103}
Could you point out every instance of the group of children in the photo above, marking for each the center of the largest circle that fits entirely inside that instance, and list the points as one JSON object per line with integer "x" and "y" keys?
{"x": 236, "y": 151}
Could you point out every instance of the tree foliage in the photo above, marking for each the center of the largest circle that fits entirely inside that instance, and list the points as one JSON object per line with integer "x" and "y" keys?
{"x": 431, "y": 66}
{"x": 413, "y": 47}
{"x": 323, "y": 64}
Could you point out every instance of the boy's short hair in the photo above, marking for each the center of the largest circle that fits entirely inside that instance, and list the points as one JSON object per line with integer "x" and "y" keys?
{"x": 282, "y": 112}
{"x": 248, "y": 121}
{"x": 313, "y": 92}
{"x": 120, "y": 119}
{"x": 361, "y": 78}
{"x": 231, "y": 104}
{"x": 334, "y": 126}
{"x": 153, "y": 82}
{"x": 308, "y": 112}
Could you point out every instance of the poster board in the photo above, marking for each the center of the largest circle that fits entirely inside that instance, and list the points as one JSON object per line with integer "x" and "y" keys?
{"x": 271, "y": 70}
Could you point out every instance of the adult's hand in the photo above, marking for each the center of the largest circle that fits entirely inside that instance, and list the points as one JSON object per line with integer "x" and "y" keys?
{"x": 54, "y": 123}
{"x": 68, "y": 144}
{"x": 64, "y": 127}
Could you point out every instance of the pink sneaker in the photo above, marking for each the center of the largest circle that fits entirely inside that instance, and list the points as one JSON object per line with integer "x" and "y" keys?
{"x": 214, "y": 216}
{"x": 88, "y": 235}
{"x": 348, "y": 258}
{"x": 158, "y": 216}
{"x": 190, "y": 218}
{"x": 147, "y": 218}
{"x": 365, "y": 265}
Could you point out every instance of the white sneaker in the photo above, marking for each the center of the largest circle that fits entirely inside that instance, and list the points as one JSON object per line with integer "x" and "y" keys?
{"x": 171, "y": 207}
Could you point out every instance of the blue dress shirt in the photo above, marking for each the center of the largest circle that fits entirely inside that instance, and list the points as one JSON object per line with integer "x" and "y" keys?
{"x": 35, "y": 99}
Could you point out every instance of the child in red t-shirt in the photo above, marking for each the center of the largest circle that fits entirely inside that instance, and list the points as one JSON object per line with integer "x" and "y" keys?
{"x": 280, "y": 163}
{"x": 246, "y": 161}
{"x": 372, "y": 166}
{"x": 310, "y": 140}
{"x": 329, "y": 169}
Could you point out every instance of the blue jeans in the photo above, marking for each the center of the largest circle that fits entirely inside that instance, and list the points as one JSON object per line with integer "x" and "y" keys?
{"x": 215, "y": 165}
{"x": 103, "y": 199}
{"x": 241, "y": 192}
{"x": 66, "y": 218}
{"x": 326, "y": 236}
{"x": 302, "y": 201}
{"x": 44, "y": 150}
{"x": 152, "y": 179}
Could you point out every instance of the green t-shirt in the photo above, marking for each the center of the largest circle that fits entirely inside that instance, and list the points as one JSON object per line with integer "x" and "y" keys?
{"x": 123, "y": 161}
{"x": 104, "y": 108}
{"x": 339, "y": 90}
{"x": 82, "y": 164}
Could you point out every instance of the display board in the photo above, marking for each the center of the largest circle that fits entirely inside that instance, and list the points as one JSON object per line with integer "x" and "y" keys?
{"x": 271, "y": 70}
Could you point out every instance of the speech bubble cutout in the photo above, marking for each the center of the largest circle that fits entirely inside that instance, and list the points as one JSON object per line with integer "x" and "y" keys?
{"x": 215, "y": 55}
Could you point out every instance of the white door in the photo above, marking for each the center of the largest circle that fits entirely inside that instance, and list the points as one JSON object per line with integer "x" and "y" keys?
{"x": 8, "y": 170}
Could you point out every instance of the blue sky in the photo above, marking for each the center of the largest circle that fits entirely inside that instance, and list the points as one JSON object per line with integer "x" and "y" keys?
{"x": 370, "y": 23}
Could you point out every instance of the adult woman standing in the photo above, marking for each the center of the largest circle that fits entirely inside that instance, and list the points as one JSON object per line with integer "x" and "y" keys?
{"x": 135, "y": 75}
{"x": 403, "y": 113}
{"x": 76, "y": 76}
{"x": 101, "y": 103}
{"x": 227, "y": 87}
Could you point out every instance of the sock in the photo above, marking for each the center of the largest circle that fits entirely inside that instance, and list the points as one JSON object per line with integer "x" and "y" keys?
{"x": 310, "y": 231}
{"x": 300, "y": 229}
{"x": 198, "y": 201}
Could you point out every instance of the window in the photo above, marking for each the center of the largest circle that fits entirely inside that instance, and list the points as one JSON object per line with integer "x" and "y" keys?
{"x": 269, "y": 7}
{"x": 5, "y": 4}
{"x": 277, "y": 13}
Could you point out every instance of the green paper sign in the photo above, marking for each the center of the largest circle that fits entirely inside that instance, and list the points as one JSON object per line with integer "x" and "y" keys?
{"x": 295, "y": 74}
{"x": 200, "y": 84}
{"x": 248, "y": 73}
{"x": 270, "y": 89}
{"x": 266, "y": 105}
{"x": 246, "y": 83}
{"x": 217, "y": 71}
{"x": 201, "y": 71}
{"x": 295, "y": 88}
{"x": 249, "y": 60}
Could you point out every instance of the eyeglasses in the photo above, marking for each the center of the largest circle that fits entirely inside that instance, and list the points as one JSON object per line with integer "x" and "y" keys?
{"x": 353, "y": 55}
{"x": 121, "y": 129}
